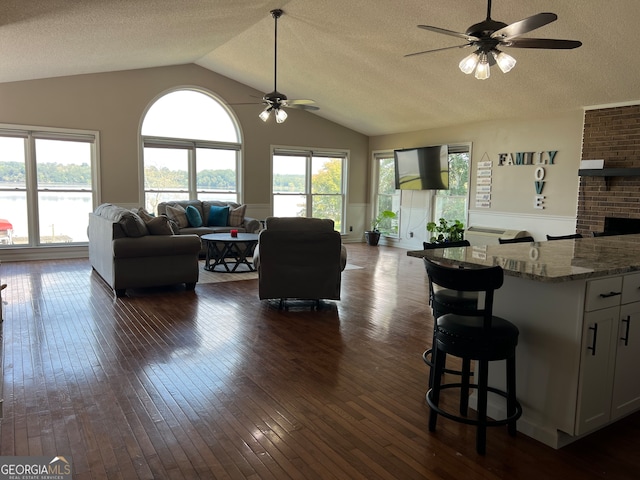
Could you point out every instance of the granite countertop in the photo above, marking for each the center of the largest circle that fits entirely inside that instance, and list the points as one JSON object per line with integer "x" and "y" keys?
{"x": 550, "y": 261}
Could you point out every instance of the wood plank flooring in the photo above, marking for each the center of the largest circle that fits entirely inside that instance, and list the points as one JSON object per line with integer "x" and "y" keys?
{"x": 216, "y": 384}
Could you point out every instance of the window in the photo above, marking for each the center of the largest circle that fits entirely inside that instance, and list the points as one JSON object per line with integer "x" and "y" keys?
{"x": 386, "y": 196}
{"x": 452, "y": 204}
{"x": 191, "y": 150}
{"x": 48, "y": 180}
{"x": 309, "y": 184}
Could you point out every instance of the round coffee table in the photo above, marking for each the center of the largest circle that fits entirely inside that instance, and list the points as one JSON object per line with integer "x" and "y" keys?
{"x": 223, "y": 249}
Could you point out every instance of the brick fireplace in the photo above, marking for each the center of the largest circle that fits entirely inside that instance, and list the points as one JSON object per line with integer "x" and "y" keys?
{"x": 612, "y": 134}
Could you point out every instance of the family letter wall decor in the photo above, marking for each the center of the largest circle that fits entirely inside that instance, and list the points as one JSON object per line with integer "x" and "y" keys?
{"x": 536, "y": 159}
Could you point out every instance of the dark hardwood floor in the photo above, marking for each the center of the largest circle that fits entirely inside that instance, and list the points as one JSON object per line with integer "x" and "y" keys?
{"x": 214, "y": 383}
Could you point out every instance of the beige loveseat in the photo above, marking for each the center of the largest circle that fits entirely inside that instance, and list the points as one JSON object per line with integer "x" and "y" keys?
{"x": 299, "y": 258}
{"x": 236, "y": 219}
{"x": 129, "y": 253}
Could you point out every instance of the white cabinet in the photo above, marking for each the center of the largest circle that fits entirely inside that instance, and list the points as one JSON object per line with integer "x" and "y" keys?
{"x": 626, "y": 387}
{"x": 597, "y": 367}
{"x": 610, "y": 352}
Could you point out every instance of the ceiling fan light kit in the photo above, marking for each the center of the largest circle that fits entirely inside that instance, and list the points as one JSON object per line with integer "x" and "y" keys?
{"x": 275, "y": 101}
{"x": 488, "y": 35}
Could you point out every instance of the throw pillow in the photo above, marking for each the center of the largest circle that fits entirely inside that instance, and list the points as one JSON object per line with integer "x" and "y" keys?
{"x": 160, "y": 225}
{"x": 132, "y": 224}
{"x": 193, "y": 216}
{"x": 143, "y": 214}
{"x": 236, "y": 216}
{"x": 218, "y": 216}
{"x": 178, "y": 214}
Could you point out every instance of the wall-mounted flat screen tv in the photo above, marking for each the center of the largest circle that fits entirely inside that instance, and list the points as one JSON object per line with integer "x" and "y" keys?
{"x": 422, "y": 168}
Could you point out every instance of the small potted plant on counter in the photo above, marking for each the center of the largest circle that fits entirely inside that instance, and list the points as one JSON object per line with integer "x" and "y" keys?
{"x": 373, "y": 236}
{"x": 443, "y": 231}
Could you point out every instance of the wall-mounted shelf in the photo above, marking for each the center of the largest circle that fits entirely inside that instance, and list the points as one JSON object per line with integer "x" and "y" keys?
{"x": 609, "y": 172}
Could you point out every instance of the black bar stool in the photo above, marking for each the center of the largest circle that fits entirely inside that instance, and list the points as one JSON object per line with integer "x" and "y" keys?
{"x": 443, "y": 300}
{"x": 473, "y": 335}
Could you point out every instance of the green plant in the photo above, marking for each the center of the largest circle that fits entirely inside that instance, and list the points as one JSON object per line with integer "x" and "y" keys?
{"x": 445, "y": 232}
{"x": 383, "y": 215}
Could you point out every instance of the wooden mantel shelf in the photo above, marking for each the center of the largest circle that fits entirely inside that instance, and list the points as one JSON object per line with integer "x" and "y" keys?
{"x": 609, "y": 172}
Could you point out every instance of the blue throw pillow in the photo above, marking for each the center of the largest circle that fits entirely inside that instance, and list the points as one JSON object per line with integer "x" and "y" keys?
{"x": 218, "y": 216}
{"x": 193, "y": 215}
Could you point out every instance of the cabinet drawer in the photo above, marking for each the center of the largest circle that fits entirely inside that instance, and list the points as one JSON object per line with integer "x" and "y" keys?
{"x": 603, "y": 293}
{"x": 631, "y": 288}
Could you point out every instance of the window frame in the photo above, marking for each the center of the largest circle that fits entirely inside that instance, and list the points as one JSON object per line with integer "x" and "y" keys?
{"x": 396, "y": 197}
{"x": 452, "y": 149}
{"x": 31, "y": 133}
{"x": 191, "y": 145}
{"x": 310, "y": 154}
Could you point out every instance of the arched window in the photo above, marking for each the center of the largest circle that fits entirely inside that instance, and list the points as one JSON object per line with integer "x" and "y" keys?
{"x": 191, "y": 149}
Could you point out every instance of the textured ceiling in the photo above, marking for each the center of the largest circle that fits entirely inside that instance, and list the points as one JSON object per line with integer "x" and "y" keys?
{"x": 348, "y": 56}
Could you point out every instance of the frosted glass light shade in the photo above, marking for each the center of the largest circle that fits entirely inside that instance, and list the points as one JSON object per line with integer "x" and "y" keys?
{"x": 281, "y": 115}
{"x": 468, "y": 63}
{"x": 482, "y": 70}
{"x": 504, "y": 61}
{"x": 264, "y": 116}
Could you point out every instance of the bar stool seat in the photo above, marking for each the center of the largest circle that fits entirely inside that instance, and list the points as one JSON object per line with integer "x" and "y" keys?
{"x": 473, "y": 335}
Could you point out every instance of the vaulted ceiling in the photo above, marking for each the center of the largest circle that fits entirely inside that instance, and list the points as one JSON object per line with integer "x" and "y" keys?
{"x": 348, "y": 56}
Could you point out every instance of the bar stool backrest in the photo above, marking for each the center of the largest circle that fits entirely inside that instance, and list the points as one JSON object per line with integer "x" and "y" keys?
{"x": 485, "y": 279}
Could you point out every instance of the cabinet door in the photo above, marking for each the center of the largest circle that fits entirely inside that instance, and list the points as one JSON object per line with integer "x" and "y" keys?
{"x": 596, "y": 369}
{"x": 626, "y": 387}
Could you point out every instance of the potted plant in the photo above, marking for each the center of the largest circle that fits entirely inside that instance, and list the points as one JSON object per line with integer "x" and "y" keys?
{"x": 373, "y": 236}
{"x": 443, "y": 231}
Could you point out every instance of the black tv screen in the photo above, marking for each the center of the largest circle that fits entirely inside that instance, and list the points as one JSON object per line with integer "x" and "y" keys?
{"x": 422, "y": 168}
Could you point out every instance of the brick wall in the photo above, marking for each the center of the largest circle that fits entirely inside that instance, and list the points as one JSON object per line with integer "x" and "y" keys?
{"x": 612, "y": 134}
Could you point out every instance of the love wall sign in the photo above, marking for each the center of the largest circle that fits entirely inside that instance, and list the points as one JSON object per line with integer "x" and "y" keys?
{"x": 539, "y": 160}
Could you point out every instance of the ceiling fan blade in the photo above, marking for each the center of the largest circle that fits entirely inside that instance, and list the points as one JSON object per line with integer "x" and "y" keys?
{"x": 550, "y": 43}
{"x": 524, "y": 26}
{"x": 444, "y": 31}
{"x": 301, "y": 106}
{"x": 438, "y": 50}
{"x": 299, "y": 102}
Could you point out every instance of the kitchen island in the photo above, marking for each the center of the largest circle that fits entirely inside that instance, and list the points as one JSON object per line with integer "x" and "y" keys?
{"x": 577, "y": 305}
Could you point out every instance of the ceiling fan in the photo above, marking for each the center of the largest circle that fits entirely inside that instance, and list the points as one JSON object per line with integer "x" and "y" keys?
{"x": 275, "y": 101}
{"x": 485, "y": 37}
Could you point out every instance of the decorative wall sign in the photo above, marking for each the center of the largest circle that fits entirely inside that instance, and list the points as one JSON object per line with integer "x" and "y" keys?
{"x": 537, "y": 159}
{"x": 483, "y": 182}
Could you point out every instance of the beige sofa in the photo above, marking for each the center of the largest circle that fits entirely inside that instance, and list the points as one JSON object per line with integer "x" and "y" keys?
{"x": 236, "y": 220}
{"x": 125, "y": 253}
{"x": 299, "y": 258}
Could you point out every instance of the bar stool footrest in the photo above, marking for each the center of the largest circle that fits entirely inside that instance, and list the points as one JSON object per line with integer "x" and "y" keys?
{"x": 426, "y": 356}
{"x": 470, "y": 421}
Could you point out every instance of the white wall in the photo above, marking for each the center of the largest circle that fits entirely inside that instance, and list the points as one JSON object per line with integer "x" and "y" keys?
{"x": 512, "y": 187}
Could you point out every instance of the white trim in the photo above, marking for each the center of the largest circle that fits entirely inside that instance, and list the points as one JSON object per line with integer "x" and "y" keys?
{"x": 27, "y": 254}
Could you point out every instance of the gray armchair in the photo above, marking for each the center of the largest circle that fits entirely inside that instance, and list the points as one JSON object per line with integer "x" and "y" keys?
{"x": 299, "y": 258}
